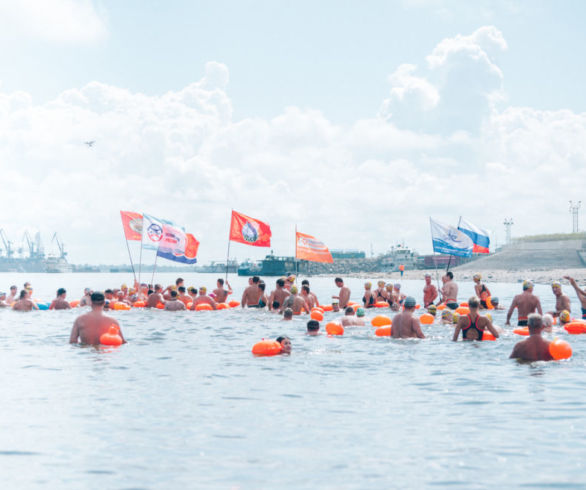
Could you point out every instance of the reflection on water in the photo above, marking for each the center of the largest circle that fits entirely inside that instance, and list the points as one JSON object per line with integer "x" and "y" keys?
{"x": 185, "y": 405}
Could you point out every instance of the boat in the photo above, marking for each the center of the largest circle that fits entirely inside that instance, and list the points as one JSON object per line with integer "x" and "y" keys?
{"x": 271, "y": 265}
{"x": 396, "y": 256}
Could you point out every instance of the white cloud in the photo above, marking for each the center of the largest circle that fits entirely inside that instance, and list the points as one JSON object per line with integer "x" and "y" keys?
{"x": 182, "y": 156}
{"x": 52, "y": 20}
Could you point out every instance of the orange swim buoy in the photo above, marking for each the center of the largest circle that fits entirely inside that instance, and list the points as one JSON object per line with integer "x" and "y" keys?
{"x": 266, "y": 348}
{"x": 426, "y": 319}
{"x": 317, "y": 315}
{"x": 441, "y": 307}
{"x": 560, "y": 349}
{"x": 111, "y": 337}
{"x": 381, "y": 321}
{"x": 74, "y": 303}
{"x": 161, "y": 306}
{"x": 233, "y": 303}
{"x": 203, "y": 307}
{"x": 222, "y": 306}
{"x": 119, "y": 305}
{"x": 486, "y": 335}
{"x": 352, "y": 303}
{"x": 139, "y": 304}
{"x": 318, "y": 308}
{"x": 521, "y": 331}
{"x": 489, "y": 304}
{"x": 464, "y": 303}
{"x": 327, "y": 307}
{"x": 383, "y": 331}
{"x": 381, "y": 304}
{"x": 334, "y": 328}
{"x": 575, "y": 328}
{"x": 462, "y": 310}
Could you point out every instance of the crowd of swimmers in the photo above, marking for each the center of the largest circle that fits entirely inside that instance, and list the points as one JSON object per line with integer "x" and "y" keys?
{"x": 287, "y": 300}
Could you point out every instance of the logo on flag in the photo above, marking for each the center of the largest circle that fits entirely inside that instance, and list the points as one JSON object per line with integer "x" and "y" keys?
{"x": 249, "y": 231}
{"x": 449, "y": 240}
{"x": 309, "y": 248}
{"x": 480, "y": 238}
{"x": 132, "y": 224}
{"x": 155, "y": 232}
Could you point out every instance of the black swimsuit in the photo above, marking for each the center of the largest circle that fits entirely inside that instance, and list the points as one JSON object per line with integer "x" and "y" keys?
{"x": 370, "y": 301}
{"x": 474, "y": 326}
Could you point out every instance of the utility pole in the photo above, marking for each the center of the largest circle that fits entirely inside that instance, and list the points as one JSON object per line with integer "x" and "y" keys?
{"x": 574, "y": 212}
{"x": 508, "y": 224}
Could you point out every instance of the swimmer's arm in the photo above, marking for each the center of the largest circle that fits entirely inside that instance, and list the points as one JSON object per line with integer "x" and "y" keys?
{"x": 492, "y": 330}
{"x": 35, "y": 307}
{"x": 244, "y": 300}
{"x": 580, "y": 292}
{"x": 511, "y": 309}
{"x": 566, "y": 303}
{"x": 52, "y": 306}
{"x": 271, "y": 300}
{"x": 417, "y": 328}
{"x": 305, "y": 306}
{"x": 539, "y": 307}
{"x": 74, "y": 333}
{"x": 214, "y": 304}
{"x": 229, "y": 288}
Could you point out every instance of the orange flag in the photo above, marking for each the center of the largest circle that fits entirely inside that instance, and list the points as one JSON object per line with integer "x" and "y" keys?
{"x": 308, "y": 248}
{"x": 249, "y": 231}
{"x": 132, "y": 224}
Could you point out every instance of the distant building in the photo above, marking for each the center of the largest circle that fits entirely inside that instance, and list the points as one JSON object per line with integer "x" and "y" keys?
{"x": 348, "y": 254}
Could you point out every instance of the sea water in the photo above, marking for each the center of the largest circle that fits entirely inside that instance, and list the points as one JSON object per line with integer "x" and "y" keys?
{"x": 185, "y": 404}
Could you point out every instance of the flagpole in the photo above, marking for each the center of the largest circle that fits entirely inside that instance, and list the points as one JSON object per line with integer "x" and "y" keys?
{"x": 154, "y": 269}
{"x": 228, "y": 253}
{"x": 434, "y": 261}
{"x": 140, "y": 256}
{"x": 296, "y": 261}
{"x": 450, "y": 261}
{"x": 129, "y": 254}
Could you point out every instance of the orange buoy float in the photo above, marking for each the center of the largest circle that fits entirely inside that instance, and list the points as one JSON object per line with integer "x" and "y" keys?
{"x": 462, "y": 310}
{"x": 560, "y": 349}
{"x": 521, "y": 331}
{"x": 233, "y": 303}
{"x": 222, "y": 306}
{"x": 318, "y": 308}
{"x": 74, "y": 303}
{"x": 486, "y": 335}
{"x": 417, "y": 307}
{"x": 575, "y": 328}
{"x": 489, "y": 304}
{"x": 352, "y": 303}
{"x": 327, "y": 307}
{"x": 119, "y": 305}
{"x": 266, "y": 348}
{"x": 464, "y": 303}
{"x": 441, "y": 307}
{"x": 112, "y": 336}
{"x": 334, "y": 328}
{"x": 161, "y": 306}
{"x": 426, "y": 319}
{"x": 381, "y": 304}
{"x": 189, "y": 305}
{"x": 317, "y": 315}
{"x": 381, "y": 321}
{"x": 139, "y": 304}
{"x": 203, "y": 307}
{"x": 383, "y": 331}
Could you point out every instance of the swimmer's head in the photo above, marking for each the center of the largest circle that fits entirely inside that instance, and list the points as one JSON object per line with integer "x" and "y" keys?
{"x": 389, "y": 287}
{"x": 339, "y": 281}
{"x": 556, "y": 287}
{"x": 527, "y": 285}
{"x": 534, "y": 322}
{"x": 291, "y": 278}
{"x": 181, "y": 289}
{"x": 124, "y": 286}
{"x": 381, "y": 284}
{"x": 192, "y": 290}
{"x": 288, "y": 314}
{"x": 495, "y": 301}
{"x": 202, "y": 290}
{"x": 397, "y": 286}
{"x": 294, "y": 290}
{"x": 455, "y": 317}
{"x": 476, "y": 277}
{"x": 565, "y": 316}
{"x": 367, "y": 285}
{"x": 349, "y": 311}
{"x": 450, "y": 275}
{"x": 360, "y": 312}
{"x": 61, "y": 291}
{"x": 285, "y": 344}
{"x": 447, "y": 315}
{"x": 98, "y": 298}
{"x": 489, "y": 316}
{"x": 547, "y": 322}
{"x": 312, "y": 327}
{"x": 280, "y": 282}
{"x": 473, "y": 303}
{"x": 173, "y": 293}
{"x": 409, "y": 303}
{"x": 432, "y": 310}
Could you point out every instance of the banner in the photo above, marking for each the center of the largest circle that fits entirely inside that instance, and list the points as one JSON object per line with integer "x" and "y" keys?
{"x": 449, "y": 240}
{"x": 249, "y": 231}
{"x": 178, "y": 246}
{"x": 479, "y": 237}
{"x": 132, "y": 224}
{"x": 308, "y": 248}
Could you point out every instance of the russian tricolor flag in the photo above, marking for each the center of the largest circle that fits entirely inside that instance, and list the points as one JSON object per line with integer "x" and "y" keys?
{"x": 478, "y": 236}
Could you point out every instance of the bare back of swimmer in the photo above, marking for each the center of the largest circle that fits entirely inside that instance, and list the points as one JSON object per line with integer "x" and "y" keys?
{"x": 405, "y": 326}
{"x": 526, "y": 303}
{"x": 88, "y": 328}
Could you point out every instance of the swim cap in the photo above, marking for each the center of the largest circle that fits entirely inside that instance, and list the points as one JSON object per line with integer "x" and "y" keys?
{"x": 455, "y": 317}
{"x": 291, "y": 278}
{"x": 381, "y": 283}
{"x": 202, "y": 289}
{"x": 494, "y": 300}
{"x": 565, "y": 316}
{"x": 389, "y": 286}
{"x": 556, "y": 284}
{"x": 527, "y": 284}
{"x": 410, "y": 302}
{"x": 432, "y": 309}
{"x": 359, "y": 311}
{"x": 191, "y": 289}
{"x": 477, "y": 276}
{"x": 124, "y": 286}
{"x": 397, "y": 286}
{"x": 367, "y": 285}
{"x": 293, "y": 289}
{"x": 333, "y": 302}
{"x": 427, "y": 275}
{"x": 446, "y": 315}
{"x": 489, "y": 316}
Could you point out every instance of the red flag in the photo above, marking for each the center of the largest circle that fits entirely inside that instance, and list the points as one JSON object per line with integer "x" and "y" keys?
{"x": 308, "y": 248}
{"x": 249, "y": 231}
{"x": 191, "y": 247}
{"x": 132, "y": 224}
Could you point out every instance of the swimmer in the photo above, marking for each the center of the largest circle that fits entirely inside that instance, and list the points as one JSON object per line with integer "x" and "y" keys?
{"x": 11, "y": 298}
{"x": 173, "y": 304}
{"x": 565, "y": 317}
{"x": 496, "y": 303}
{"x": 380, "y": 293}
{"x": 124, "y": 289}
{"x": 562, "y": 301}
{"x": 312, "y": 327}
{"x": 429, "y": 292}
{"x": 183, "y": 296}
{"x": 290, "y": 281}
{"x": 155, "y": 297}
{"x": 482, "y": 292}
{"x": 296, "y": 302}
{"x": 398, "y": 297}
{"x": 278, "y": 296}
{"x": 335, "y": 307}
{"x": 221, "y": 294}
{"x": 202, "y": 299}
{"x": 368, "y": 298}
{"x": 86, "y": 298}
{"x": 288, "y": 314}
{"x": 59, "y": 302}
{"x": 3, "y": 303}
{"x": 305, "y": 282}
{"x": 450, "y": 291}
{"x": 580, "y": 293}
{"x": 405, "y": 325}
{"x": 393, "y": 305}
{"x": 344, "y": 294}
{"x": 122, "y": 299}
{"x": 285, "y": 344}
{"x": 349, "y": 319}
{"x": 534, "y": 348}
{"x": 192, "y": 292}
{"x": 547, "y": 323}
{"x": 24, "y": 303}
{"x": 251, "y": 294}
{"x": 525, "y": 303}
{"x": 307, "y": 296}
{"x": 432, "y": 310}
{"x": 360, "y": 312}
{"x": 89, "y": 327}
{"x": 473, "y": 325}
{"x": 447, "y": 317}
{"x": 263, "y": 300}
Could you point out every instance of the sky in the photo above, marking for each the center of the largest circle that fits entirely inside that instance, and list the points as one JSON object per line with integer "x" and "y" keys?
{"x": 354, "y": 121}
